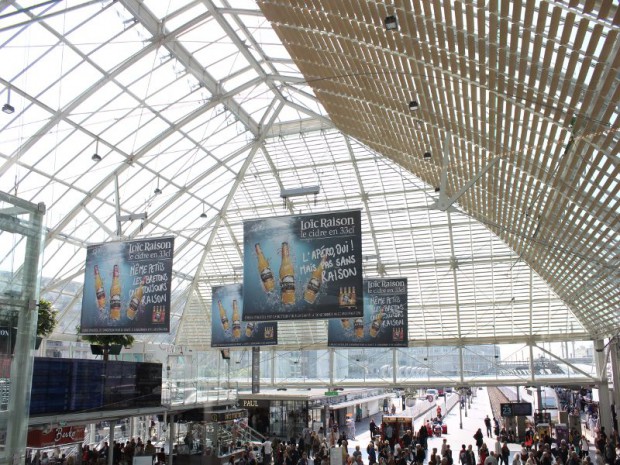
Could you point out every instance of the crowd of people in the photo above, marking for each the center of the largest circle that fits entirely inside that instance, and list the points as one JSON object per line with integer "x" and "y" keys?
{"x": 122, "y": 453}
{"x": 412, "y": 449}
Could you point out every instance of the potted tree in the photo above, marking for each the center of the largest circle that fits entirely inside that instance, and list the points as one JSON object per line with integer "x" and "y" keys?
{"x": 46, "y": 321}
{"x": 107, "y": 344}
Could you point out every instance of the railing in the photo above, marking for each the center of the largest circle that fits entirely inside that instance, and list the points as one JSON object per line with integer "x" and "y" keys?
{"x": 194, "y": 393}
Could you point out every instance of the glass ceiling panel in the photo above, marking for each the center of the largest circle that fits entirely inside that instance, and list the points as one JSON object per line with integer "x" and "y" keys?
{"x": 444, "y": 256}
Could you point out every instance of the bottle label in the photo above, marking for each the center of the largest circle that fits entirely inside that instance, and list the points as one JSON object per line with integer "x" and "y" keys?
{"x": 314, "y": 285}
{"x": 115, "y": 301}
{"x": 288, "y": 283}
{"x": 100, "y": 293}
{"x": 236, "y": 324}
{"x": 224, "y": 320}
{"x": 375, "y": 325}
{"x": 266, "y": 275}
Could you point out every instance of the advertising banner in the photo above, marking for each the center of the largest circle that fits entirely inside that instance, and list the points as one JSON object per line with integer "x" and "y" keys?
{"x": 227, "y": 326}
{"x": 384, "y": 323}
{"x": 57, "y": 436}
{"x": 303, "y": 267}
{"x": 127, "y": 287}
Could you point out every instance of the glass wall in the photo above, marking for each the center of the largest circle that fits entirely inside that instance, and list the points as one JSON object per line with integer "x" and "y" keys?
{"x": 20, "y": 252}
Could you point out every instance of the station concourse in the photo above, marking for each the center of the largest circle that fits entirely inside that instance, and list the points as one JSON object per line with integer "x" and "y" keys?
{"x": 308, "y": 206}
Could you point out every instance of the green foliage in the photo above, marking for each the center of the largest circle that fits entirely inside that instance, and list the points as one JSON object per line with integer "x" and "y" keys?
{"x": 125, "y": 340}
{"x": 46, "y": 321}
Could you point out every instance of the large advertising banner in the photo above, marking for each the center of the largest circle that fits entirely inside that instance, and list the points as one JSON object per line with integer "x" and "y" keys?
{"x": 303, "y": 267}
{"x": 384, "y": 323}
{"x": 227, "y": 326}
{"x": 127, "y": 287}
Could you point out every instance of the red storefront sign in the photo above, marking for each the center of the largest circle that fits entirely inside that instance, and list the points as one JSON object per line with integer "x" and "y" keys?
{"x": 56, "y": 436}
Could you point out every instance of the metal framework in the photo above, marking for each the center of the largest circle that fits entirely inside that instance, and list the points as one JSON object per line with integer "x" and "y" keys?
{"x": 224, "y": 104}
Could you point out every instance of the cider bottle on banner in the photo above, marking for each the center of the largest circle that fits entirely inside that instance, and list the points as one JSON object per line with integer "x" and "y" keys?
{"x": 345, "y": 297}
{"x": 266, "y": 275}
{"x": 115, "y": 295}
{"x": 346, "y": 323}
{"x": 223, "y": 316}
{"x": 249, "y": 328}
{"x": 287, "y": 276}
{"x": 312, "y": 289}
{"x": 236, "y": 321}
{"x": 375, "y": 326}
{"x": 358, "y": 327}
{"x": 136, "y": 300}
{"x": 162, "y": 314}
{"x": 99, "y": 290}
{"x": 159, "y": 314}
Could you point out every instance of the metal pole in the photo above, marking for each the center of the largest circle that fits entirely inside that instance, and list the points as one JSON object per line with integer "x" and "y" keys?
{"x": 172, "y": 440}
{"x": 460, "y": 409}
{"x": 119, "y": 230}
{"x": 111, "y": 443}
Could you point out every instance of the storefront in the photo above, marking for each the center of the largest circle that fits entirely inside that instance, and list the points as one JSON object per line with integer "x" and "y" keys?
{"x": 208, "y": 437}
{"x": 286, "y": 413}
{"x": 53, "y": 442}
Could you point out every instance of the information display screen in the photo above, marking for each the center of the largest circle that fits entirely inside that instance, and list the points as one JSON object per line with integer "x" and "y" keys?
{"x": 72, "y": 385}
{"x": 516, "y": 409}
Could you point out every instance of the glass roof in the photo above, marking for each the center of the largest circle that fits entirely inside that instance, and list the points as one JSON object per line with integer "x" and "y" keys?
{"x": 201, "y": 100}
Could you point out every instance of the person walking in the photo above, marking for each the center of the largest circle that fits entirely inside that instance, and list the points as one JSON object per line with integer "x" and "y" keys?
{"x": 487, "y": 424}
{"x": 351, "y": 426}
{"x": 372, "y": 426}
{"x": 505, "y": 454}
{"x": 479, "y": 437}
{"x": 267, "y": 452}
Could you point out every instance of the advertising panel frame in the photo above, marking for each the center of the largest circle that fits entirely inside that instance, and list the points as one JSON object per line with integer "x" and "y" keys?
{"x": 319, "y": 260}
{"x": 229, "y": 329}
{"x": 385, "y": 320}
{"x": 127, "y": 286}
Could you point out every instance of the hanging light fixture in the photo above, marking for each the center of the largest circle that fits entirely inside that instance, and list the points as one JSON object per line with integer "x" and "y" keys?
{"x": 7, "y": 107}
{"x": 204, "y": 213}
{"x": 391, "y": 23}
{"x": 427, "y": 155}
{"x": 413, "y": 105}
{"x": 96, "y": 157}
{"x": 157, "y": 190}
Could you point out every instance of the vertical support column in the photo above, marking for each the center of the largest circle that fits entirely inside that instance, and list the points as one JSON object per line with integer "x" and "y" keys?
{"x": 272, "y": 366}
{"x": 23, "y": 358}
{"x": 326, "y": 428}
{"x": 604, "y": 404}
{"x": 461, "y": 366}
{"x": 613, "y": 353}
{"x": 532, "y": 377}
{"x": 92, "y": 433}
{"x": 119, "y": 229}
{"x": 171, "y": 440}
{"x": 394, "y": 366}
{"x": 111, "y": 442}
{"x": 539, "y": 400}
{"x": 331, "y": 367}
{"x": 132, "y": 427}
